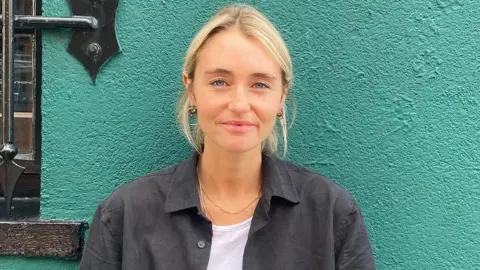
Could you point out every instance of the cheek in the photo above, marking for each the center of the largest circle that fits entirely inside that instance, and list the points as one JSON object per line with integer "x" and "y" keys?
{"x": 205, "y": 103}
{"x": 267, "y": 111}
{"x": 208, "y": 110}
{"x": 205, "y": 115}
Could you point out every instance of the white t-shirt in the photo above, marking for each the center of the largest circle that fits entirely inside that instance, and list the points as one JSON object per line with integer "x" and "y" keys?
{"x": 228, "y": 245}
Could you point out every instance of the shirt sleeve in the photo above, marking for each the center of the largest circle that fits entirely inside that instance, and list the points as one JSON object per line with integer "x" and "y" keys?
{"x": 102, "y": 250}
{"x": 355, "y": 248}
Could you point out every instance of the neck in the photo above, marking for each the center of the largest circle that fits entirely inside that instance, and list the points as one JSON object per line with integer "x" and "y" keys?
{"x": 230, "y": 175}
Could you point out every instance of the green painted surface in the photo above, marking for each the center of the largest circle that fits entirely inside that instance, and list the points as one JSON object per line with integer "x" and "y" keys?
{"x": 19, "y": 263}
{"x": 388, "y": 102}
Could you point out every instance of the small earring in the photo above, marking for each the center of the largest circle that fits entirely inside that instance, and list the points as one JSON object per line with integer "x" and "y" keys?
{"x": 280, "y": 114}
{"x": 192, "y": 110}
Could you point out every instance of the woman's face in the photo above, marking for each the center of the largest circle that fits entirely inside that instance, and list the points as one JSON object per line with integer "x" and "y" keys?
{"x": 238, "y": 91}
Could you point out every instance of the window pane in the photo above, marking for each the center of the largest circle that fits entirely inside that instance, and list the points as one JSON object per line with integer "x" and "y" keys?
{"x": 23, "y": 94}
{"x": 22, "y": 7}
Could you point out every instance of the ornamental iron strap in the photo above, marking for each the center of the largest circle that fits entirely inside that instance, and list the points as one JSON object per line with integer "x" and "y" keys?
{"x": 9, "y": 171}
{"x": 93, "y": 42}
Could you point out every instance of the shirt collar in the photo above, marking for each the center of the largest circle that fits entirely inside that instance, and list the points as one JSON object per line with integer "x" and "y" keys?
{"x": 183, "y": 194}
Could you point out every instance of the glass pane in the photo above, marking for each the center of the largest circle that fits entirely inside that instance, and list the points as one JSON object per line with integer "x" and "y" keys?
{"x": 23, "y": 94}
{"x": 22, "y": 7}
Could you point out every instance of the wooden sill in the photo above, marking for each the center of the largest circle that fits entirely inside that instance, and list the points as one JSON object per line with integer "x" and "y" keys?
{"x": 42, "y": 239}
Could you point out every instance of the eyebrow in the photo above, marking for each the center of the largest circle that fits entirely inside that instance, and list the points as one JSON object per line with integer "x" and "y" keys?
{"x": 228, "y": 72}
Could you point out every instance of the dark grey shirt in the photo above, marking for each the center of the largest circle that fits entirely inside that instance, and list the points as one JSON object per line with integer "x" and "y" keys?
{"x": 303, "y": 221}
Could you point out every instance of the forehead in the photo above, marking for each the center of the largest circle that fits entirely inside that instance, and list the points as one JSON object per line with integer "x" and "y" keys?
{"x": 231, "y": 49}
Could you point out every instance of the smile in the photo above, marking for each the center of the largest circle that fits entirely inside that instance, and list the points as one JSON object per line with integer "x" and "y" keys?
{"x": 238, "y": 126}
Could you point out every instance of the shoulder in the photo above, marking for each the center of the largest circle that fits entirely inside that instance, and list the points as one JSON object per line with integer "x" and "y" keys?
{"x": 318, "y": 191}
{"x": 333, "y": 211}
{"x": 137, "y": 194}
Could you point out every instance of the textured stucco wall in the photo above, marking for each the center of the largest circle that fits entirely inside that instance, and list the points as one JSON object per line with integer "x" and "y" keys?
{"x": 388, "y": 97}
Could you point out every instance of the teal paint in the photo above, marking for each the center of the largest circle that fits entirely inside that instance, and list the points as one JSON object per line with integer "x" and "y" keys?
{"x": 19, "y": 263}
{"x": 387, "y": 99}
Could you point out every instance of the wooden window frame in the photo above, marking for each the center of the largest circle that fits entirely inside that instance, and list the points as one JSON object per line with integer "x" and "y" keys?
{"x": 34, "y": 237}
{"x": 29, "y": 183}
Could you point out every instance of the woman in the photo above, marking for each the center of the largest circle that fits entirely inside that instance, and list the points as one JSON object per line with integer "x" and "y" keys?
{"x": 233, "y": 204}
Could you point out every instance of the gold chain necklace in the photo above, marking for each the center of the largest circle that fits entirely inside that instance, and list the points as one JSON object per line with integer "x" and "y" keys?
{"x": 204, "y": 209}
{"x": 219, "y": 207}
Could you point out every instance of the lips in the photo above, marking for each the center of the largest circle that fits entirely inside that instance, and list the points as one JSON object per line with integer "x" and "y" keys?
{"x": 238, "y": 126}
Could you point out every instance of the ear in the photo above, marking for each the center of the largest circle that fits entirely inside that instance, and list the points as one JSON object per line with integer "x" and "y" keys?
{"x": 187, "y": 84}
{"x": 186, "y": 81}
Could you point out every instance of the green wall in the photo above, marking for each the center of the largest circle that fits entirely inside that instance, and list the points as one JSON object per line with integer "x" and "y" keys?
{"x": 388, "y": 97}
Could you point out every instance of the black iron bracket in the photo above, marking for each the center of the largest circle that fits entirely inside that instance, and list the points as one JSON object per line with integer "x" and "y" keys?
{"x": 94, "y": 47}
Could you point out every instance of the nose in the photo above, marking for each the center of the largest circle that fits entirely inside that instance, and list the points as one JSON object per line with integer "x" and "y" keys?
{"x": 239, "y": 100}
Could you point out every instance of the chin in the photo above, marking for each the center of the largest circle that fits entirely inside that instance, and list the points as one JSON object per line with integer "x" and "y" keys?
{"x": 239, "y": 147}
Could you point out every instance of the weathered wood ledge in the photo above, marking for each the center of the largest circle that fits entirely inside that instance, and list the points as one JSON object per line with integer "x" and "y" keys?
{"x": 61, "y": 239}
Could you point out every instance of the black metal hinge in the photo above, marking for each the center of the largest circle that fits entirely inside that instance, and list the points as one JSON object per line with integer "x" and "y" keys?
{"x": 93, "y": 42}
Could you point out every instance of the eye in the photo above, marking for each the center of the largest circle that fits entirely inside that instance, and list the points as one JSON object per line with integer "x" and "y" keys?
{"x": 219, "y": 83}
{"x": 260, "y": 85}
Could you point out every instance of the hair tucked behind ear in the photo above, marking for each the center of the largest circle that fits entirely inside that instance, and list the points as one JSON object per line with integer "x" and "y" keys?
{"x": 253, "y": 24}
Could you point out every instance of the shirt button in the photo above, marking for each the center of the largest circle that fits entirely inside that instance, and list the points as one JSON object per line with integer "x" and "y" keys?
{"x": 201, "y": 244}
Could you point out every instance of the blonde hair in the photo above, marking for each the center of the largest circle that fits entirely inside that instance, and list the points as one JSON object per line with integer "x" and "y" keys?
{"x": 253, "y": 24}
